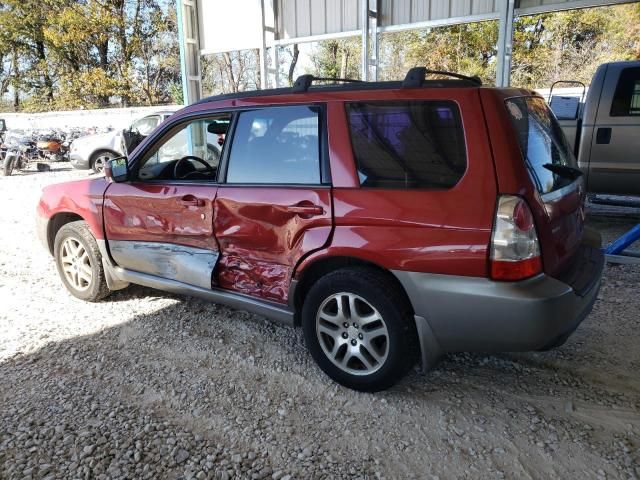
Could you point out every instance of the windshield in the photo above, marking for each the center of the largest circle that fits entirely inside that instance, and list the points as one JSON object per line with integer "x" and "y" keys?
{"x": 541, "y": 142}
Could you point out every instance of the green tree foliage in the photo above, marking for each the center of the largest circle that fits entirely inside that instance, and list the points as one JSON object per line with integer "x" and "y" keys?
{"x": 59, "y": 54}
{"x": 546, "y": 47}
{"x": 571, "y": 45}
{"x": 469, "y": 49}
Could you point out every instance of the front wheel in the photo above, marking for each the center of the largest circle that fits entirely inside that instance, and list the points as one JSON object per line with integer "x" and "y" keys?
{"x": 79, "y": 262}
{"x": 359, "y": 328}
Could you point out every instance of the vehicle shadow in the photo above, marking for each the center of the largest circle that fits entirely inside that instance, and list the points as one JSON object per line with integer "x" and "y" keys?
{"x": 137, "y": 292}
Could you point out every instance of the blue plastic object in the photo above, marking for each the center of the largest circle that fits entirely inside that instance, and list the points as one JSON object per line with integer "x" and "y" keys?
{"x": 622, "y": 242}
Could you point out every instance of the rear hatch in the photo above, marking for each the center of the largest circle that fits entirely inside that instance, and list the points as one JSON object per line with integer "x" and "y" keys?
{"x": 557, "y": 196}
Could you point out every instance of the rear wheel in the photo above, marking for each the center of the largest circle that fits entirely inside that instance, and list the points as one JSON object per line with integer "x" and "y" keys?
{"x": 359, "y": 329}
{"x": 79, "y": 262}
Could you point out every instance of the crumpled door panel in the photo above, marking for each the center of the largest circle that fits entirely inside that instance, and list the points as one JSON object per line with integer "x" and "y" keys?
{"x": 264, "y": 231}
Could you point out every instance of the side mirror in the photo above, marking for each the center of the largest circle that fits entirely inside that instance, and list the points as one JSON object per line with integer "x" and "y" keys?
{"x": 117, "y": 169}
{"x": 3, "y": 126}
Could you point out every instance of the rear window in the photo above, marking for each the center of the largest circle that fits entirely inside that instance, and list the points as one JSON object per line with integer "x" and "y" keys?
{"x": 541, "y": 141}
{"x": 405, "y": 145}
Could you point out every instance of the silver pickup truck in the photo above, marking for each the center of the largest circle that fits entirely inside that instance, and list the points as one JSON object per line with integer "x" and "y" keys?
{"x": 604, "y": 129}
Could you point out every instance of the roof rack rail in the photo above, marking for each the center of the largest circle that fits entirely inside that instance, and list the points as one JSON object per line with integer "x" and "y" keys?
{"x": 303, "y": 82}
{"x": 416, "y": 76}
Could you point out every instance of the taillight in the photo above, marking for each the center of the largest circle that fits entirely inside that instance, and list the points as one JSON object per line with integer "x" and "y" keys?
{"x": 515, "y": 250}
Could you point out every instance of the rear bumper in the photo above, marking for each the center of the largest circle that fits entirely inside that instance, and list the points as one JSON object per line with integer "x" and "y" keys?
{"x": 477, "y": 314}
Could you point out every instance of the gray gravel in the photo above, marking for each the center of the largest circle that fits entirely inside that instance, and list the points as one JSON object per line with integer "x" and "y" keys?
{"x": 149, "y": 385}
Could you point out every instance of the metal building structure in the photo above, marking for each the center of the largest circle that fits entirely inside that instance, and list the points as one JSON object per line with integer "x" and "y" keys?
{"x": 284, "y": 22}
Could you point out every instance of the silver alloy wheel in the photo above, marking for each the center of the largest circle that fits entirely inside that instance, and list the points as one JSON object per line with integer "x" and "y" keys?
{"x": 99, "y": 162}
{"x": 76, "y": 264}
{"x": 352, "y": 334}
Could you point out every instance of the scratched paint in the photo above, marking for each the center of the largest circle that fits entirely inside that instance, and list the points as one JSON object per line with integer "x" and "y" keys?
{"x": 193, "y": 266}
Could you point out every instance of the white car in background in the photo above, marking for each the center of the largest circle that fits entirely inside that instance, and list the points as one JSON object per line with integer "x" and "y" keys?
{"x": 93, "y": 151}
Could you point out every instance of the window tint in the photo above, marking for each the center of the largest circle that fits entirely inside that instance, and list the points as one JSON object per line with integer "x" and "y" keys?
{"x": 276, "y": 145}
{"x": 626, "y": 100}
{"x": 541, "y": 141}
{"x": 202, "y": 139}
{"x": 407, "y": 144}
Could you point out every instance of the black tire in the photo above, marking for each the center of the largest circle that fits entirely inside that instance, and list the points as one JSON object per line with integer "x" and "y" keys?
{"x": 380, "y": 295}
{"x": 78, "y": 232}
{"x": 7, "y": 167}
{"x": 99, "y": 158}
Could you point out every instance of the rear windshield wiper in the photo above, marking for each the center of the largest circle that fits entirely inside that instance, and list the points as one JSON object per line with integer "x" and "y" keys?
{"x": 564, "y": 170}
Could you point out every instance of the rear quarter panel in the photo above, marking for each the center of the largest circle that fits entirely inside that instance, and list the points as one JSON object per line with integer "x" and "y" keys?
{"x": 559, "y": 216}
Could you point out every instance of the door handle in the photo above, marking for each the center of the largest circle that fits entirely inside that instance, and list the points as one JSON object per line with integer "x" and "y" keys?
{"x": 191, "y": 201}
{"x": 603, "y": 136}
{"x": 307, "y": 210}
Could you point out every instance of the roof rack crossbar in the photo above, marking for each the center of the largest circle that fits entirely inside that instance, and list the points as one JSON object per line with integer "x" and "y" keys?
{"x": 416, "y": 76}
{"x": 303, "y": 82}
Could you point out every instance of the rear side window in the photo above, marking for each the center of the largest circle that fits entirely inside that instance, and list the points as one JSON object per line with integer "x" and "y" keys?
{"x": 541, "y": 141}
{"x": 626, "y": 100}
{"x": 403, "y": 145}
{"x": 276, "y": 145}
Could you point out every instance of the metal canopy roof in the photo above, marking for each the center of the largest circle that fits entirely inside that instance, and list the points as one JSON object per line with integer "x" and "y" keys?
{"x": 303, "y": 20}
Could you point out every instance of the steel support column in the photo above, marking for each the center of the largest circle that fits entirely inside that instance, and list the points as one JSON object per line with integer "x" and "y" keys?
{"x": 187, "y": 13}
{"x": 505, "y": 43}
{"x": 269, "y": 61}
{"x": 369, "y": 54}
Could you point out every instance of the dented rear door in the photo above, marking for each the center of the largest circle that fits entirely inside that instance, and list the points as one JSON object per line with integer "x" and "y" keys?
{"x": 274, "y": 206}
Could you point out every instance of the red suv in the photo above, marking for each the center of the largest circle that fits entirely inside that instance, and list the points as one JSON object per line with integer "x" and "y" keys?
{"x": 392, "y": 221}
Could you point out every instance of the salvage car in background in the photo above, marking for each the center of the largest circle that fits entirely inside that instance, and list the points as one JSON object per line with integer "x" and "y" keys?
{"x": 604, "y": 131}
{"x": 94, "y": 150}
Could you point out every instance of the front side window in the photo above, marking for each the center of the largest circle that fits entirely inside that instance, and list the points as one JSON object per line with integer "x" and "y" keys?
{"x": 626, "y": 100}
{"x": 543, "y": 145}
{"x": 276, "y": 145}
{"x": 407, "y": 144}
{"x": 190, "y": 152}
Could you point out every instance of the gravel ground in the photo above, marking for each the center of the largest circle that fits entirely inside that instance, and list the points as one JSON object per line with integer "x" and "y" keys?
{"x": 150, "y": 385}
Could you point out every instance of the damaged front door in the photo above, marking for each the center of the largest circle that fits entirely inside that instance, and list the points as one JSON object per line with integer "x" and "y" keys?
{"x": 161, "y": 222}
